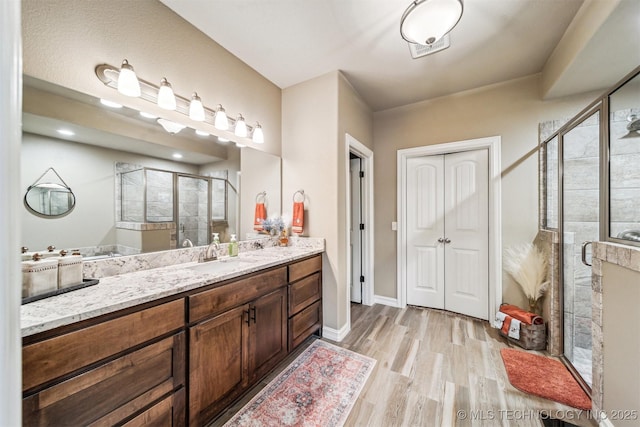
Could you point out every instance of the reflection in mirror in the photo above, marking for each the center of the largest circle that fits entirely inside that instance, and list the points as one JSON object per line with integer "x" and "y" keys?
{"x": 624, "y": 158}
{"x": 105, "y": 140}
{"x": 49, "y": 199}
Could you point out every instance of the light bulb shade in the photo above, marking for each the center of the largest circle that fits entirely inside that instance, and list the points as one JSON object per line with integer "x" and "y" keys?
{"x": 171, "y": 127}
{"x": 128, "y": 83}
{"x": 166, "y": 98}
{"x": 241, "y": 127}
{"x": 196, "y": 109}
{"x": 258, "y": 136}
{"x": 427, "y": 21}
{"x": 221, "y": 122}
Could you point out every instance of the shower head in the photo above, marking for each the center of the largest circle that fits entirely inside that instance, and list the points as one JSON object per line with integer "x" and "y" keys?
{"x": 633, "y": 127}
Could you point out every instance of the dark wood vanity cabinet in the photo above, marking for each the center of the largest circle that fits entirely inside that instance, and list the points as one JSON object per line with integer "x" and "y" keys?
{"x": 305, "y": 299}
{"x": 129, "y": 369}
{"x": 232, "y": 350}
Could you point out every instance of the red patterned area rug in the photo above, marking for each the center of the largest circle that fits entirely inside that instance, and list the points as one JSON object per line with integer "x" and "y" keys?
{"x": 544, "y": 377}
{"x": 318, "y": 388}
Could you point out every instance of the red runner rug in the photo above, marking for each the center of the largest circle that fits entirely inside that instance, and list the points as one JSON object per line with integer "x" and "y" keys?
{"x": 544, "y": 377}
{"x": 318, "y": 388}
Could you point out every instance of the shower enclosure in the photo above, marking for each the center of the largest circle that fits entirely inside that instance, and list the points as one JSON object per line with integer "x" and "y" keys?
{"x": 591, "y": 192}
{"x": 168, "y": 207}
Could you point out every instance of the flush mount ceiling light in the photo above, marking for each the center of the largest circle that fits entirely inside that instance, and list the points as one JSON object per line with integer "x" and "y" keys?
{"x": 148, "y": 115}
{"x": 128, "y": 83}
{"x": 164, "y": 97}
{"x": 196, "y": 109}
{"x": 66, "y": 132}
{"x": 241, "y": 127}
{"x": 171, "y": 127}
{"x": 427, "y": 21}
{"x": 258, "y": 136}
{"x": 110, "y": 104}
{"x": 221, "y": 120}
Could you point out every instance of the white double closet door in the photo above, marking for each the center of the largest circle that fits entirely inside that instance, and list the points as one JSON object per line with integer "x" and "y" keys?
{"x": 448, "y": 232}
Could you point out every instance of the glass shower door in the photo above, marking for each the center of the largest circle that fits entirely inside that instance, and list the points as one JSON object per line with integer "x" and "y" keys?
{"x": 580, "y": 224}
{"x": 193, "y": 210}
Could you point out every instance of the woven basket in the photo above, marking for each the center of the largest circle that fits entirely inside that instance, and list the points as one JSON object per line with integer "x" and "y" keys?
{"x": 532, "y": 337}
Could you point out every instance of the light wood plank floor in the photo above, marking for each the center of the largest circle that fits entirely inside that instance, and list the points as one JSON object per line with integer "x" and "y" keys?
{"x": 433, "y": 368}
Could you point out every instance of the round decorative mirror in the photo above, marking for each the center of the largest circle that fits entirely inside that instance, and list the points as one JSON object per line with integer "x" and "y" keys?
{"x": 49, "y": 199}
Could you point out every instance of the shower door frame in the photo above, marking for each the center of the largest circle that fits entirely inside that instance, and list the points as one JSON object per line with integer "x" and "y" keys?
{"x": 176, "y": 203}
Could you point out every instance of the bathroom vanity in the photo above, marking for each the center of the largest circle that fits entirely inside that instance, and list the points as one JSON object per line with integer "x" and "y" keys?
{"x": 190, "y": 341}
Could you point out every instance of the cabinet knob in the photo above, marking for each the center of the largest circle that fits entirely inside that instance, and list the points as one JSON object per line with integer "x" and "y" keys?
{"x": 447, "y": 240}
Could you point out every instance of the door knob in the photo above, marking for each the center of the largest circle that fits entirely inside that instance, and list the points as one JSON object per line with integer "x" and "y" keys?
{"x": 447, "y": 240}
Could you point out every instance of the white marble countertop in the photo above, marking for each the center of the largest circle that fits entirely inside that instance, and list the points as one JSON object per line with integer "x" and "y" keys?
{"x": 127, "y": 290}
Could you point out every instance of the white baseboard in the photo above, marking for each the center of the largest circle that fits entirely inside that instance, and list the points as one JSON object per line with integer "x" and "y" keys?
{"x": 336, "y": 335}
{"x": 393, "y": 302}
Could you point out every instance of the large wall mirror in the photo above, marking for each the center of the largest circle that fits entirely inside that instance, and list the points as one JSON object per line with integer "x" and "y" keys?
{"x": 137, "y": 187}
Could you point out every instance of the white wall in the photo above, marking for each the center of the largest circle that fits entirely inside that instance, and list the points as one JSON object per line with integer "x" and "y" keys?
{"x": 511, "y": 110}
{"x": 10, "y": 274}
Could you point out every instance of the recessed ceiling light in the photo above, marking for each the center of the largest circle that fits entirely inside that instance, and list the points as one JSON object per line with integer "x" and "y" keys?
{"x": 202, "y": 133}
{"x": 66, "y": 132}
{"x": 223, "y": 139}
{"x": 240, "y": 145}
{"x": 147, "y": 115}
{"x": 111, "y": 104}
{"x": 177, "y": 155}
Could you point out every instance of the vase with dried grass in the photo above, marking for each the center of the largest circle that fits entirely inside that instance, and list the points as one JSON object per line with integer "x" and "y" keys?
{"x": 527, "y": 265}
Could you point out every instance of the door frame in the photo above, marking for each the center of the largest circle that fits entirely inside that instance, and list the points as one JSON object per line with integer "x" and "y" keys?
{"x": 352, "y": 145}
{"x": 492, "y": 144}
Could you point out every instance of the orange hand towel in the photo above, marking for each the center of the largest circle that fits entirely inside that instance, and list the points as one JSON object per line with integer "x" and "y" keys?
{"x": 259, "y": 217}
{"x": 297, "y": 224}
{"x": 522, "y": 315}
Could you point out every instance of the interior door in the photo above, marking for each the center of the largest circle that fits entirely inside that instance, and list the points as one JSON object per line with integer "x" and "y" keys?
{"x": 447, "y": 261}
{"x": 467, "y": 233}
{"x": 356, "y": 233}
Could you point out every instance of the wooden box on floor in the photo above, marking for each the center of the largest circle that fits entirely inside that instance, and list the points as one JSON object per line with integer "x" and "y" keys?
{"x": 532, "y": 337}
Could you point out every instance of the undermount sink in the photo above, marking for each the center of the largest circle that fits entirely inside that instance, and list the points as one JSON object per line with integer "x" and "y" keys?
{"x": 224, "y": 265}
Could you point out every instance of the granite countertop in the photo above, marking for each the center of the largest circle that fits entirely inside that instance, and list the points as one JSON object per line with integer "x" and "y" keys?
{"x": 127, "y": 290}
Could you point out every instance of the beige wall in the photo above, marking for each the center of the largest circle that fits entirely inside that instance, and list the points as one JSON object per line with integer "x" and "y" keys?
{"x": 621, "y": 343}
{"x": 64, "y": 40}
{"x": 316, "y": 115}
{"x": 511, "y": 110}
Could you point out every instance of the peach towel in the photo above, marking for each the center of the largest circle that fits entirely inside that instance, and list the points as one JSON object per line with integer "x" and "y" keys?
{"x": 297, "y": 223}
{"x": 513, "y": 312}
{"x": 260, "y": 215}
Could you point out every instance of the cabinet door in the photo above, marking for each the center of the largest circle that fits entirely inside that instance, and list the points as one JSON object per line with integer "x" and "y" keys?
{"x": 268, "y": 331}
{"x": 218, "y": 369}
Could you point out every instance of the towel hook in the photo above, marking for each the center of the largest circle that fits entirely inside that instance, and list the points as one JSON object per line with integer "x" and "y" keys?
{"x": 262, "y": 194}
{"x": 300, "y": 192}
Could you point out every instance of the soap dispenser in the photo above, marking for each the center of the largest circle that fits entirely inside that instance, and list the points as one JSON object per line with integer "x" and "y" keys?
{"x": 216, "y": 238}
{"x": 233, "y": 246}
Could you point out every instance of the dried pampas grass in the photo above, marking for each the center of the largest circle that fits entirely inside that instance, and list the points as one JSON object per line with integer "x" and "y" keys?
{"x": 527, "y": 265}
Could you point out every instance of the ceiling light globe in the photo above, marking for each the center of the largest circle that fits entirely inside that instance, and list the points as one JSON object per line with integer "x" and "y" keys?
{"x": 241, "y": 127}
{"x": 128, "y": 83}
{"x": 166, "y": 98}
{"x": 427, "y": 21}
{"x": 196, "y": 109}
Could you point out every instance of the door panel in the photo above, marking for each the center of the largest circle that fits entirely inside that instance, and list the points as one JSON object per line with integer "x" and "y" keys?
{"x": 356, "y": 233}
{"x": 466, "y": 228}
{"x": 425, "y": 225}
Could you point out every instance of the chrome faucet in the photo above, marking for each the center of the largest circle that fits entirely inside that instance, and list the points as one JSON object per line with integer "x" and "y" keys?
{"x": 211, "y": 253}
{"x": 187, "y": 243}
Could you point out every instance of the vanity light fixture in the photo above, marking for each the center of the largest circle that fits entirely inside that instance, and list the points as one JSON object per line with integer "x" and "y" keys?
{"x": 110, "y": 104}
{"x": 196, "y": 109}
{"x": 128, "y": 83}
{"x": 171, "y": 127}
{"x": 241, "y": 127}
{"x": 427, "y": 21}
{"x": 221, "y": 121}
{"x": 166, "y": 98}
{"x": 258, "y": 136}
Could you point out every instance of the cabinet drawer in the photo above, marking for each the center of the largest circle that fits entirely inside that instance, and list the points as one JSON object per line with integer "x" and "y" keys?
{"x": 168, "y": 412}
{"x": 305, "y": 323}
{"x": 47, "y": 360}
{"x": 112, "y": 392}
{"x": 304, "y": 268}
{"x": 218, "y": 300}
{"x": 304, "y": 292}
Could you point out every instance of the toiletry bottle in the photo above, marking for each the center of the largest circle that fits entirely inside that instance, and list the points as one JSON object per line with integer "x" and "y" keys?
{"x": 216, "y": 238}
{"x": 233, "y": 246}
